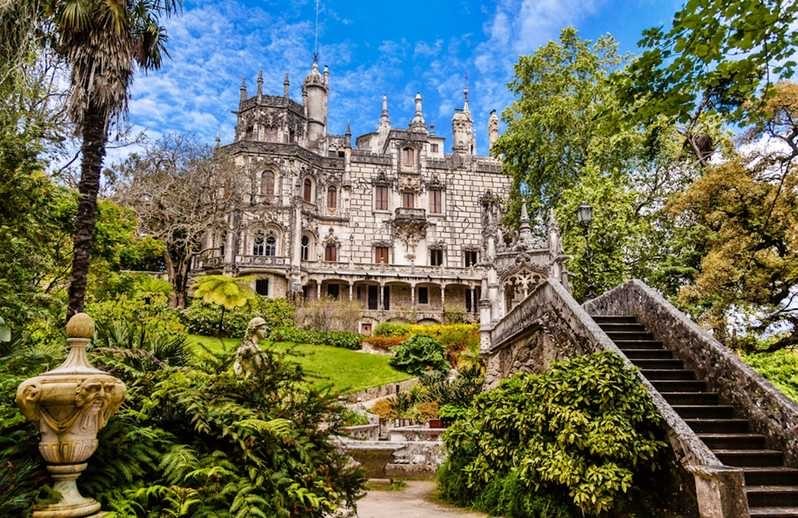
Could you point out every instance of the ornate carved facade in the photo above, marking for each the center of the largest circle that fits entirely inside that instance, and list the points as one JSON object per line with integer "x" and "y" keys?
{"x": 388, "y": 219}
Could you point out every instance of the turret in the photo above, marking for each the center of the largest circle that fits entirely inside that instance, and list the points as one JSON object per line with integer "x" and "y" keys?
{"x": 314, "y": 92}
{"x": 243, "y": 90}
{"x": 493, "y": 129}
{"x": 463, "y": 129}
{"x": 417, "y": 123}
{"x": 260, "y": 85}
{"x": 286, "y": 85}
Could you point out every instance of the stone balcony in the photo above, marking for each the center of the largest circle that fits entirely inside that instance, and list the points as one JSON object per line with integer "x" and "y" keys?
{"x": 404, "y": 214}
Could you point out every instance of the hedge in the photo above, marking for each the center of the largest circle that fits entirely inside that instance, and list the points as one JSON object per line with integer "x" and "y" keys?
{"x": 344, "y": 339}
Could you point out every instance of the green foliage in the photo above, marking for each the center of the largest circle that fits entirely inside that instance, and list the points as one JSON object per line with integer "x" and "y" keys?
{"x": 343, "y": 339}
{"x": 392, "y": 329}
{"x": 455, "y": 338}
{"x": 779, "y": 367}
{"x": 149, "y": 311}
{"x": 224, "y": 290}
{"x": 716, "y": 57}
{"x": 572, "y": 440}
{"x": 419, "y": 354}
{"x": 203, "y": 318}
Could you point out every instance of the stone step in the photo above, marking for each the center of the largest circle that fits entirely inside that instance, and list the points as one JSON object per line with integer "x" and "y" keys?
{"x": 766, "y": 496}
{"x": 679, "y": 385}
{"x": 659, "y": 364}
{"x": 733, "y": 441}
{"x": 626, "y": 345}
{"x": 630, "y": 335}
{"x": 647, "y": 354}
{"x": 622, "y": 326}
{"x": 770, "y": 476}
{"x": 611, "y": 319}
{"x": 750, "y": 457}
{"x": 705, "y": 411}
{"x": 774, "y": 512}
{"x": 733, "y": 425}
{"x": 653, "y": 375}
{"x": 691, "y": 398}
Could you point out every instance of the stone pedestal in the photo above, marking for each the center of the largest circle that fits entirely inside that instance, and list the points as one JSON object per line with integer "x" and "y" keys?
{"x": 70, "y": 403}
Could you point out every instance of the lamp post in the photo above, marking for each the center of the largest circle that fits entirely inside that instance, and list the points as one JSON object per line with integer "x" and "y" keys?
{"x": 584, "y": 215}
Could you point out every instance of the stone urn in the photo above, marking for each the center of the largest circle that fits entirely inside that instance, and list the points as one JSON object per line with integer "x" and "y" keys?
{"x": 70, "y": 403}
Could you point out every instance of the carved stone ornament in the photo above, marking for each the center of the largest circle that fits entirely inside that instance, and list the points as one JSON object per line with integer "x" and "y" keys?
{"x": 70, "y": 404}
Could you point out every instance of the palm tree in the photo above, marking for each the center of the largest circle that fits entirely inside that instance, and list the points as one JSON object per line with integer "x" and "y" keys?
{"x": 102, "y": 41}
{"x": 226, "y": 292}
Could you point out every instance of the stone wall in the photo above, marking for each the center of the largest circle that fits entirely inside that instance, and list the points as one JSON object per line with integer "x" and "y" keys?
{"x": 770, "y": 411}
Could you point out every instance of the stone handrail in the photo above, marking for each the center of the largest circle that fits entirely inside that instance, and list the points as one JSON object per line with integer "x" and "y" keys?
{"x": 770, "y": 411}
{"x": 396, "y": 271}
{"x": 719, "y": 488}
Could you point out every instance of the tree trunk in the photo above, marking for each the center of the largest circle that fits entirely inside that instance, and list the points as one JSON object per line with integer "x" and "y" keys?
{"x": 93, "y": 152}
{"x": 178, "y": 271}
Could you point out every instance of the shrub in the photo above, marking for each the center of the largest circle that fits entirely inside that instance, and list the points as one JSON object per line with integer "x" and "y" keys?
{"x": 571, "y": 441}
{"x": 779, "y": 367}
{"x": 392, "y": 329}
{"x": 454, "y": 314}
{"x": 151, "y": 312}
{"x": 384, "y": 342}
{"x": 343, "y": 339}
{"x": 329, "y": 314}
{"x": 203, "y": 319}
{"x": 419, "y": 354}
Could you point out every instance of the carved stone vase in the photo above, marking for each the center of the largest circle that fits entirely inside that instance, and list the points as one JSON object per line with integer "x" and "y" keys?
{"x": 70, "y": 403}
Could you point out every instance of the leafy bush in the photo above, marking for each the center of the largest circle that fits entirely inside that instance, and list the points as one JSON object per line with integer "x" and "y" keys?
{"x": 203, "y": 319}
{"x": 419, "y": 354}
{"x": 455, "y": 338}
{"x": 343, "y": 339}
{"x": 392, "y": 329}
{"x": 779, "y": 367}
{"x": 571, "y": 441}
{"x": 192, "y": 439}
{"x": 151, "y": 311}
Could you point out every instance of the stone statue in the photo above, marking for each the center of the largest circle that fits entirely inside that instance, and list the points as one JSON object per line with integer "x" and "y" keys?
{"x": 248, "y": 358}
{"x": 70, "y": 404}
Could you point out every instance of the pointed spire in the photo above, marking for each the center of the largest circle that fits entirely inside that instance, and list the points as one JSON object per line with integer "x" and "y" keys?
{"x": 418, "y": 122}
{"x": 348, "y": 135}
{"x": 385, "y": 118}
{"x": 524, "y": 230}
{"x": 243, "y": 90}
{"x": 260, "y": 84}
{"x": 348, "y": 131}
{"x": 286, "y": 85}
{"x": 465, "y": 100}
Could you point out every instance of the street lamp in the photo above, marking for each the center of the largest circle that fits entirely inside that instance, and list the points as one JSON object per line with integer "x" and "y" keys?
{"x": 584, "y": 214}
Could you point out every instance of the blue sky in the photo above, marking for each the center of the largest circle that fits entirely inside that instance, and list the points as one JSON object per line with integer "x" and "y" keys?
{"x": 373, "y": 48}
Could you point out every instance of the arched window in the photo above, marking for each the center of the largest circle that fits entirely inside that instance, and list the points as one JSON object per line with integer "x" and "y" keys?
{"x": 408, "y": 156}
{"x": 271, "y": 246}
{"x": 331, "y": 253}
{"x": 332, "y": 197}
{"x": 259, "y": 244}
{"x": 305, "y": 248}
{"x": 267, "y": 186}
{"x": 307, "y": 190}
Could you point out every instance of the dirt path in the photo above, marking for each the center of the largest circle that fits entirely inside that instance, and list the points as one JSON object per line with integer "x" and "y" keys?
{"x": 414, "y": 501}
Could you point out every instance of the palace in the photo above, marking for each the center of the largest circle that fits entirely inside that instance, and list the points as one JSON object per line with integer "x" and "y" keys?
{"x": 389, "y": 219}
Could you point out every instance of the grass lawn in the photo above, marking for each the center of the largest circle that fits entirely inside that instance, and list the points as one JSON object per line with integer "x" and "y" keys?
{"x": 346, "y": 370}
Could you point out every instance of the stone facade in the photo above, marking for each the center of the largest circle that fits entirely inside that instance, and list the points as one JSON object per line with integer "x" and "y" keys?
{"x": 388, "y": 219}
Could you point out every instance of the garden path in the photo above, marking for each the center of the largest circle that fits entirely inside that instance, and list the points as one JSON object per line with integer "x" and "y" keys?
{"x": 414, "y": 501}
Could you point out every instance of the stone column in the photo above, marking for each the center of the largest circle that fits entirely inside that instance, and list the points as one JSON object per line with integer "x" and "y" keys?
{"x": 70, "y": 404}
{"x": 318, "y": 290}
{"x": 443, "y": 296}
{"x": 413, "y": 297}
{"x": 380, "y": 291}
{"x": 351, "y": 286}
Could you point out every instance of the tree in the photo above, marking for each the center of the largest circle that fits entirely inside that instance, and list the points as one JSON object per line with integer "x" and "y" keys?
{"x": 565, "y": 118}
{"x": 749, "y": 206}
{"x": 102, "y": 42}
{"x": 226, "y": 292}
{"x": 179, "y": 189}
{"x": 716, "y": 56}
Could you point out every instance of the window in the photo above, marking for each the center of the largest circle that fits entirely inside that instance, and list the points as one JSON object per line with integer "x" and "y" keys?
{"x": 381, "y": 197}
{"x": 307, "y": 191}
{"x": 333, "y": 291}
{"x": 305, "y": 248}
{"x": 259, "y": 244}
{"x": 331, "y": 253}
{"x": 250, "y": 131}
{"x": 271, "y": 247}
{"x": 381, "y": 255}
{"x": 262, "y": 287}
{"x": 436, "y": 257}
{"x": 267, "y": 186}
{"x": 423, "y": 295}
{"x": 470, "y": 258}
{"x": 408, "y": 201}
{"x": 434, "y": 148}
{"x": 332, "y": 198}
{"x": 373, "y": 297}
{"x": 472, "y": 300}
{"x": 436, "y": 201}
{"x": 408, "y": 157}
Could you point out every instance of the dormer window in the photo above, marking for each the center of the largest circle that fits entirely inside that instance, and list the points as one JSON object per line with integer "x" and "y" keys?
{"x": 408, "y": 157}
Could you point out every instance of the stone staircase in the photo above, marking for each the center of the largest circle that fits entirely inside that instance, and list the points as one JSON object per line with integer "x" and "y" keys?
{"x": 771, "y": 487}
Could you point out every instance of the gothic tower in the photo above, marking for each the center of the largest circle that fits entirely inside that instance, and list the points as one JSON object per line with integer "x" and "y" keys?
{"x": 464, "y": 140}
{"x": 315, "y": 92}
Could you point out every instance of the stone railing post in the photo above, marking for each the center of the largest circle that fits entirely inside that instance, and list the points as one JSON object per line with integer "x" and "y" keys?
{"x": 70, "y": 404}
